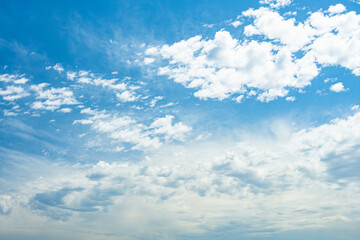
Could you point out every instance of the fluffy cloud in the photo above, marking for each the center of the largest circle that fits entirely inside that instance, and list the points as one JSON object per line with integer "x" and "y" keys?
{"x": 338, "y": 8}
{"x": 226, "y": 66}
{"x": 12, "y": 93}
{"x": 337, "y": 87}
{"x": 125, "y": 130}
{"x": 164, "y": 126}
{"x": 52, "y": 98}
{"x": 275, "y": 27}
{"x": 290, "y": 56}
{"x": 236, "y": 23}
{"x": 13, "y": 78}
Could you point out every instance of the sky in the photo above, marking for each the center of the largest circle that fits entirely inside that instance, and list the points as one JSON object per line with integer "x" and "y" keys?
{"x": 180, "y": 119}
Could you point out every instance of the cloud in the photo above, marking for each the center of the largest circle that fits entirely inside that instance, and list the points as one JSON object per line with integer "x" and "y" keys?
{"x": 123, "y": 91}
{"x": 52, "y": 98}
{"x": 13, "y": 78}
{"x": 86, "y": 77}
{"x": 289, "y": 57}
{"x": 12, "y": 93}
{"x": 65, "y": 110}
{"x": 127, "y": 130}
{"x": 337, "y": 87}
{"x": 338, "y": 8}
{"x": 57, "y": 67}
{"x": 236, "y": 23}
{"x": 155, "y": 100}
{"x": 290, "y": 98}
{"x": 271, "y": 24}
{"x": 280, "y": 183}
{"x": 224, "y": 66}
{"x": 164, "y": 126}
{"x": 127, "y": 96}
{"x": 149, "y": 60}
{"x": 5, "y": 204}
{"x": 276, "y": 3}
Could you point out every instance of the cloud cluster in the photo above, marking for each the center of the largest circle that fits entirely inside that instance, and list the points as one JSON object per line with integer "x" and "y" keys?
{"x": 52, "y": 98}
{"x": 127, "y": 130}
{"x": 124, "y": 93}
{"x": 289, "y": 57}
{"x": 13, "y": 91}
{"x": 13, "y": 78}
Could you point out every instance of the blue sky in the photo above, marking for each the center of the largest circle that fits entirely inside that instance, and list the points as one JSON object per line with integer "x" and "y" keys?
{"x": 180, "y": 119}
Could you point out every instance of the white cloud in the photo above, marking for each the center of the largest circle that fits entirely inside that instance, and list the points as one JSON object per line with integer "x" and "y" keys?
{"x": 224, "y": 66}
{"x": 337, "y": 87}
{"x": 339, "y": 47}
{"x": 127, "y": 96}
{"x": 65, "y": 110}
{"x": 208, "y": 25}
{"x": 276, "y": 3}
{"x": 272, "y": 25}
{"x": 290, "y": 56}
{"x": 123, "y": 92}
{"x": 290, "y": 98}
{"x": 239, "y": 99}
{"x": 5, "y": 204}
{"x": 12, "y": 93}
{"x": 9, "y": 113}
{"x": 52, "y": 98}
{"x": 338, "y": 8}
{"x": 236, "y": 23}
{"x": 149, "y": 60}
{"x": 164, "y": 126}
{"x": 86, "y": 77}
{"x": 13, "y": 78}
{"x": 127, "y": 130}
{"x": 57, "y": 67}
{"x": 155, "y": 100}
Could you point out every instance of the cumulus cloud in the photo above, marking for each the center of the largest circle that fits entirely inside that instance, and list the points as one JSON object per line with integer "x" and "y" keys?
{"x": 127, "y": 96}
{"x": 13, "y": 78}
{"x": 224, "y": 66}
{"x": 290, "y": 56}
{"x": 271, "y": 24}
{"x": 170, "y": 131}
{"x": 337, "y": 87}
{"x": 338, "y": 8}
{"x": 12, "y": 93}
